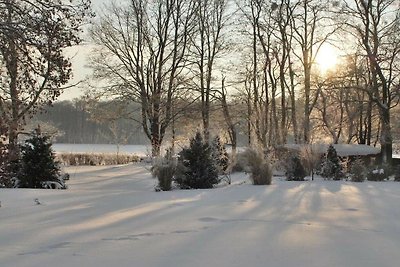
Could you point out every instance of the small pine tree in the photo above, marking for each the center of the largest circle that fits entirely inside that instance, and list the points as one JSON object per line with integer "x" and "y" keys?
{"x": 39, "y": 169}
{"x": 10, "y": 166}
{"x": 219, "y": 155}
{"x": 331, "y": 167}
{"x": 196, "y": 168}
{"x": 358, "y": 171}
{"x": 5, "y": 179}
{"x": 295, "y": 170}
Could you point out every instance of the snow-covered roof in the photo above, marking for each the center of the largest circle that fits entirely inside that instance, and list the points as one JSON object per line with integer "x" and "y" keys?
{"x": 343, "y": 150}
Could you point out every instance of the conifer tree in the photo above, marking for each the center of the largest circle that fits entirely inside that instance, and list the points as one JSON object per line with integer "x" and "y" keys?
{"x": 331, "y": 167}
{"x": 219, "y": 155}
{"x": 295, "y": 169}
{"x": 196, "y": 168}
{"x": 5, "y": 180}
{"x": 39, "y": 169}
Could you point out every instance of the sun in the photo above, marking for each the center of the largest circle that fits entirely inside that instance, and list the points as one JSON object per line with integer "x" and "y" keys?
{"x": 327, "y": 58}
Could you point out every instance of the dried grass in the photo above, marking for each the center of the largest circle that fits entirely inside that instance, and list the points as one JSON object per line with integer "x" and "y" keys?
{"x": 259, "y": 168}
{"x": 95, "y": 159}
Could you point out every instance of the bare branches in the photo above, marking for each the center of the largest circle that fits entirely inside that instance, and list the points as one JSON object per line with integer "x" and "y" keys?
{"x": 33, "y": 35}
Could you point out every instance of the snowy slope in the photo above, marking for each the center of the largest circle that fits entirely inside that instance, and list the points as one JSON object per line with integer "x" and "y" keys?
{"x": 110, "y": 216}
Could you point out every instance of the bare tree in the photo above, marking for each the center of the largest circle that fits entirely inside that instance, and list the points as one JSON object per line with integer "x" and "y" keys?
{"x": 208, "y": 45}
{"x": 312, "y": 27}
{"x": 142, "y": 56}
{"x": 227, "y": 114}
{"x": 375, "y": 24}
{"x": 33, "y": 67}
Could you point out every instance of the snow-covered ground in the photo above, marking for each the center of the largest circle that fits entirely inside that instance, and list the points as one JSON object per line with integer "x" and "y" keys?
{"x": 111, "y": 216}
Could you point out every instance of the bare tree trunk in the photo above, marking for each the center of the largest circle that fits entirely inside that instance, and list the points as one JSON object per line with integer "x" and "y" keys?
{"x": 293, "y": 103}
{"x": 228, "y": 118}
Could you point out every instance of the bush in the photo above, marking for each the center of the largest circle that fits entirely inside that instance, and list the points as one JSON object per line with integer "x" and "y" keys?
{"x": 164, "y": 169}
{"x": 376, "y": 175}
{"x": 196, "y": 168}
{"x": 397, "y": 174}
{"x": 358, "y": 171}
{"x": 236, "y": 164}
{"x": 5, "y": 177}
{"x": 165, "y": 174}
{"x": 380, "y": 173}
{"x": 295, "y": 170}
{"x": 310, "y": 159}
{"x": 331, "y": 167}
{"x": 255, "y": 163}
{"x": 39, "y": 169}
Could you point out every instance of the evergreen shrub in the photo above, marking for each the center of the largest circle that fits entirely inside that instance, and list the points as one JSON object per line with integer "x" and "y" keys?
{"x": 5, "y": 177}
{"x": 358, "y": 171}
{"x": 219, "y": 155}
{"x": 39, "y": 169}
{"x": 196, "y": 168}
{"x": 331, "y": 167}
{"x": 295, "y": 170}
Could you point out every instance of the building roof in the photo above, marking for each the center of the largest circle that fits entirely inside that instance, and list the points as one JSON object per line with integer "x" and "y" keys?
{"x": 343, "y": 150}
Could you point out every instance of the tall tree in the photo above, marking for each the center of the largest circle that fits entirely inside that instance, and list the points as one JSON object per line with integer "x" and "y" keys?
{"x": 375, "y": 24}
{"x": 142, "y": 56}
{"x": 311, "y": 29}
{"x": 33, "y": 67}
{"x": 208, "y": 45}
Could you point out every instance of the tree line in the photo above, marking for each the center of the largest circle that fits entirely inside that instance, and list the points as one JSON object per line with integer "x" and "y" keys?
{"x": 166, "y": 55}
{"x": 77, "y": 122}
{"x": 244, "y": 66}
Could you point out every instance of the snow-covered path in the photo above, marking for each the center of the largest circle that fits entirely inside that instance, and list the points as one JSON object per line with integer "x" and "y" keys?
{"x": 111, "y": 216}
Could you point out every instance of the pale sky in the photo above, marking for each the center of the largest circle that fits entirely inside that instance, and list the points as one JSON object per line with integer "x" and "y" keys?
{"x": 79, "y": 55}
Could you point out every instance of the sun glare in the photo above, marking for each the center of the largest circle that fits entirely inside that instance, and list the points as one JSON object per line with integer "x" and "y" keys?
{"x": 327, "y": 58}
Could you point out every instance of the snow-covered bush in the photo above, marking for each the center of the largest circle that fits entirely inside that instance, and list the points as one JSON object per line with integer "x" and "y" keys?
{"x": 376, "y": 175}
{"x": 259, "y": 168}
{"x": 165, "y": 174}
{"x": 38, "y": 167}
{"x": 358, "y": 171}
{"x": 196, "y": 168}
{"x": 5, "y": 177}
{"x": 294, "y": 169}
{"x": 331, "y": 167}
{"x": 397, "y": 174}
{"x": 164, "y": 169}
{"x": 380, "y": 173}
{"x": 9, "y": 168}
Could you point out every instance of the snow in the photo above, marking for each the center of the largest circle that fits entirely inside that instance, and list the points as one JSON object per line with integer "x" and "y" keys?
{"x": 111, "y": 216}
